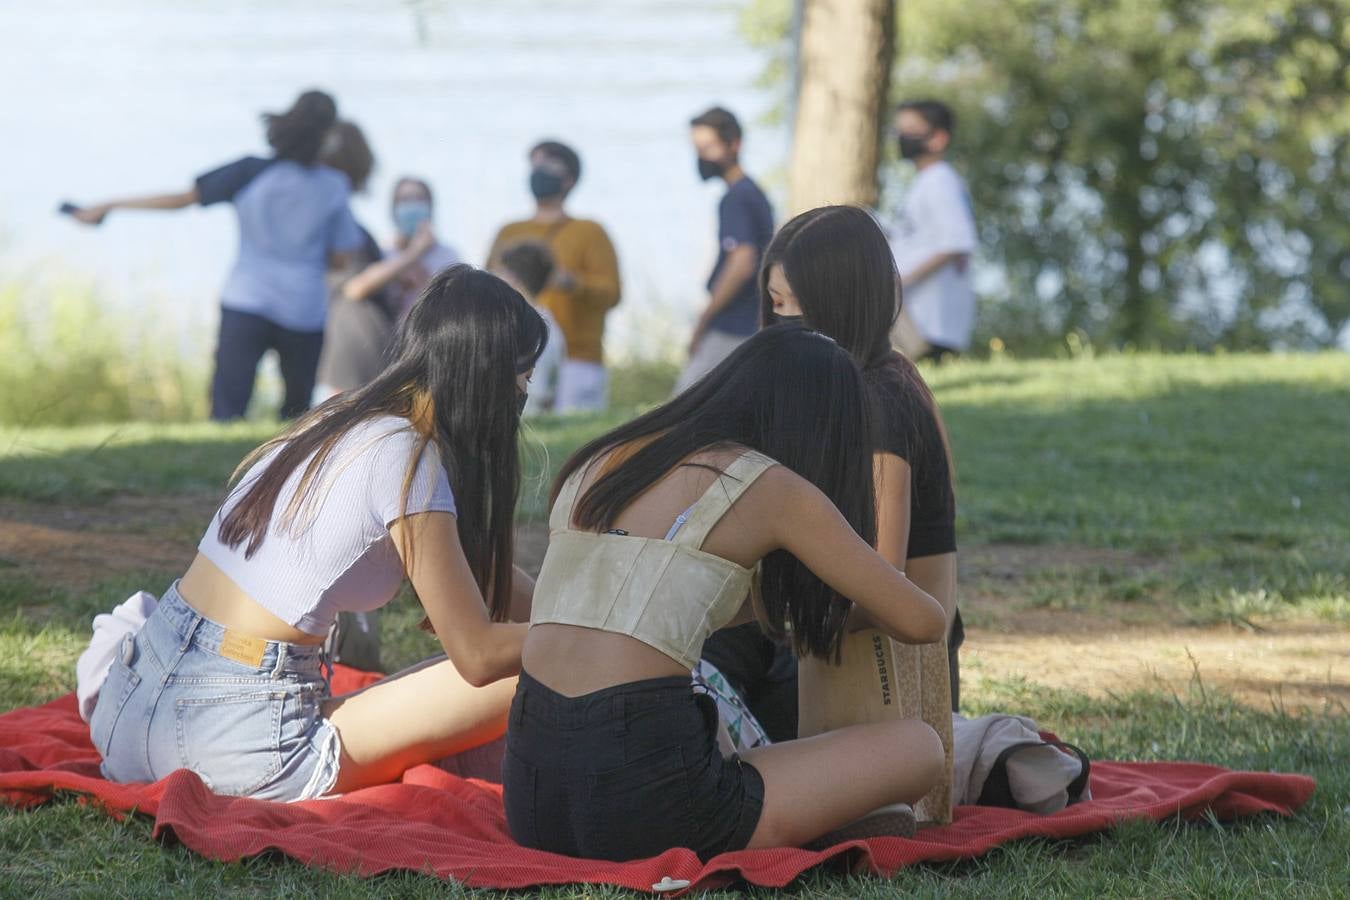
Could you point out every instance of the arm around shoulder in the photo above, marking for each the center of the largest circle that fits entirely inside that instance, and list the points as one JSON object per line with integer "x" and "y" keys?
{"x": 806, "y": 524}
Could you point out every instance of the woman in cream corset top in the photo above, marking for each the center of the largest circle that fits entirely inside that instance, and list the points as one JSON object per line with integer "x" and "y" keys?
{"x": 759, "y": 473}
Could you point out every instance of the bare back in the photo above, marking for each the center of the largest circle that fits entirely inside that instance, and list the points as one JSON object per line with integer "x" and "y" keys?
{"x": 575, "y": 660}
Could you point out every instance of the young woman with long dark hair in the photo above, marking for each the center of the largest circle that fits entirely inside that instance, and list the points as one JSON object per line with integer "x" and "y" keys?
{"x": 294, "y": 221}
{"x": 831, "y": 269}
{"x": 413, "y": 476}
{"x": 760, "y": 473}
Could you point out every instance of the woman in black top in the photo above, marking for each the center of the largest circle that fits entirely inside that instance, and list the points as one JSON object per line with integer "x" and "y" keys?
{"x": 832, "y": 269}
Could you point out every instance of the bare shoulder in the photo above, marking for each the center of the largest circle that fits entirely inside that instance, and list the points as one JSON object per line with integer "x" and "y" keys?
{"x": 779, "y": 488}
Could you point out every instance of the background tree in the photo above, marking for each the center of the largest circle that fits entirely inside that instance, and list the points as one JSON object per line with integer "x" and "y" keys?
{"x": 1150, "y": 172}
{"x": 844, "y": 66}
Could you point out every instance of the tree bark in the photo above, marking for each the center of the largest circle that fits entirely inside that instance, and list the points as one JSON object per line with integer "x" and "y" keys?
{"x": 845, "y": 71}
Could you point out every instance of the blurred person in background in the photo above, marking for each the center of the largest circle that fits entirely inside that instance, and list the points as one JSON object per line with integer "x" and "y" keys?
{"x": 360, "y": 328}
{"x": 527, "y": 267}
{"x": 371, "y": 299}
{"x": 584, "y": 285}
{"x": 934, "y": 238}
{"x": 744, "y": 227}
{"x": 294, "y": 223}
{"x": 412, "y": 208}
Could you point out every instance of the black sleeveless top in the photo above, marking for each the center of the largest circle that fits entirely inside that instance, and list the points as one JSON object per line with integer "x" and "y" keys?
{"x": 907, "y": 427}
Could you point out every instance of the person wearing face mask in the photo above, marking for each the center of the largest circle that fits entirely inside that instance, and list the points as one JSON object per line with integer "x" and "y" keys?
{"x": 295, "y": 224}
{"x": 371, "y": 299}
{"x": 584, "y": 285}
{"x": 934, "y": 238}
{"x": 744, "y": 227}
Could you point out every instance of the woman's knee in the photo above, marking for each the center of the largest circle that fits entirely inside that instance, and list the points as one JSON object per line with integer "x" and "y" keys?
{"x": 924, "y": 754}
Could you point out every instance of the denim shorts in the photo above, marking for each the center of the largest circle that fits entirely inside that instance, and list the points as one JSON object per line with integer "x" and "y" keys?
{"x": 624, "y": 773}
{"x": 173, "y": 701}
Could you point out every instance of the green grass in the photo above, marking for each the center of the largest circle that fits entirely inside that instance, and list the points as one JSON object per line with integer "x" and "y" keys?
{"x": 1222, "y": 479}
{"x": 65, "y": 849}
{"x": 66, "y": 357}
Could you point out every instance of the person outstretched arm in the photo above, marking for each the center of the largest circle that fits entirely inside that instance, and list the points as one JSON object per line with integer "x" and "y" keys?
{"x": 94, "y": 215}
{"x": 220, "y": 185}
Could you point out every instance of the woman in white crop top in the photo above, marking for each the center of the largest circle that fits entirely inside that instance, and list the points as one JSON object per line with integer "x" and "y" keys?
{"x": 767, "y": 465}
{"x": 413, "y": 476}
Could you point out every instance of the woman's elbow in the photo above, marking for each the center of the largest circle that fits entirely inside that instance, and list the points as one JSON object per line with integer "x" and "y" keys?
{"x": 483, "y": 663}
{"x": 476, "y": 668}
{"x": 926, "y": 625}
{"x": 933, "y": 624}
{"x": 478, "y": 677}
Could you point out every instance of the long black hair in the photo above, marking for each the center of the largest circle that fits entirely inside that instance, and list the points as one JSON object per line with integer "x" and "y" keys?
{"x": 841, "y": 269}
{"x": 299, "y": 132}
{"x": 454, "y": 368}
{"x": 793, "y": 395}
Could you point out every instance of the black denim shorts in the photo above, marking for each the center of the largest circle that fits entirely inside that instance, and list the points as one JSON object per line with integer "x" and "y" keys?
{"x": 624, "y": 773}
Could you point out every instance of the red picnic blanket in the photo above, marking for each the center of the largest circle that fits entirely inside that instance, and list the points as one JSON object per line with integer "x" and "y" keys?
{"x": 437, "y": 823}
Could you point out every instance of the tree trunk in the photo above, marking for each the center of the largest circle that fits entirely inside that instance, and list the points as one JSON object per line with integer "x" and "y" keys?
{"x": 845, "y": 71}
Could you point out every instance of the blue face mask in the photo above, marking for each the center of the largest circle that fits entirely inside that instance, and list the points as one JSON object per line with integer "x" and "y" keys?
{"x": 408, "y": 214}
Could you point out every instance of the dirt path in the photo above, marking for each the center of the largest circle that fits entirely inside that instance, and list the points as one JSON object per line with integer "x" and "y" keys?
{"x": 1114, "y": 648}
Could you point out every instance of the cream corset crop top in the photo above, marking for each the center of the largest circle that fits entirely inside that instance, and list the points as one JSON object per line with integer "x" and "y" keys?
{"x": 670, "y": 594}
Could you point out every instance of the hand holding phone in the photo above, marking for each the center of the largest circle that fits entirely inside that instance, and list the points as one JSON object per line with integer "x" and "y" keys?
{"x": 88, "y": 215}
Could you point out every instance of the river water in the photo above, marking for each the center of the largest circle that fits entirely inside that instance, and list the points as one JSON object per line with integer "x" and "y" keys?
{"x": 126, "y": 96}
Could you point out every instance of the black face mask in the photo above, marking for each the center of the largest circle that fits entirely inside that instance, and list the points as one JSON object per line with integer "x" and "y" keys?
{"x": 522, "y": 398}
{"x": 545, "y": 184}
{"x": 708, "y": 169}
{"x": 911, "y": 146}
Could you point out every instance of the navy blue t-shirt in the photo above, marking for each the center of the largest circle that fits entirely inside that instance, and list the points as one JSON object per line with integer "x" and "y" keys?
{"x": 743, "y": 217}
{"x": 220, "y": 185}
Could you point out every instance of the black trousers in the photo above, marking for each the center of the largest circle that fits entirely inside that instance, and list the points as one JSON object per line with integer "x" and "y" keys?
{"x": 244, "y": 338}
{"x": 765, "y": 673}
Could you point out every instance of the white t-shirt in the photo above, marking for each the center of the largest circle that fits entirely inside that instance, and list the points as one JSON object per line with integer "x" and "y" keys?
{"x": 544, "y": 381}
{"x": 337, "y": 555}
{"x": 936, "y": 217}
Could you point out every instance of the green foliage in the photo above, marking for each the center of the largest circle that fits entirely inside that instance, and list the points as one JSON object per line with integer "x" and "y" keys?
{"x": 642, "y": 382}
{"x": 64, "y": 359}
{"x": 1153, "y": 173}
{"x": 1159, "y": 172}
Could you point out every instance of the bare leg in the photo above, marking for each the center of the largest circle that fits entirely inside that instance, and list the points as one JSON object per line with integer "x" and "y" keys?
{"x": 423, "y": 713}
{"x": 817, "y": 784}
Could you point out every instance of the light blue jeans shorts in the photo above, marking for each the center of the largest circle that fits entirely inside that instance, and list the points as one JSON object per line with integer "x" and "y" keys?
{"x": 173, "y": 701}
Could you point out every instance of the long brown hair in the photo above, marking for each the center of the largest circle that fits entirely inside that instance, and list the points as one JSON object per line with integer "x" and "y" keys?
{"x": 842, "y": 271}
{"x": 454, "y": 371}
